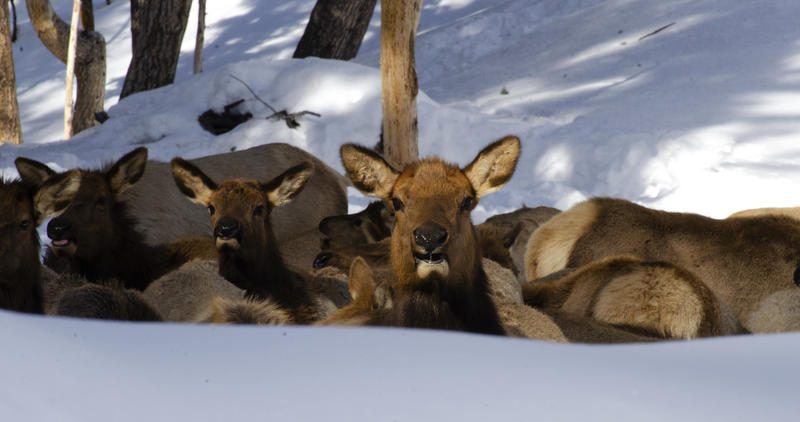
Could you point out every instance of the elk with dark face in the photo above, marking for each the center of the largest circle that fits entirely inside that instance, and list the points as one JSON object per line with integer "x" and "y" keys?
{"x": 92, "y": 234}
{"x": 370, "y": 225}
{"x": 20, "y": 270}
{"x": 434, "y": 249}
{"x": 242, "y": 230}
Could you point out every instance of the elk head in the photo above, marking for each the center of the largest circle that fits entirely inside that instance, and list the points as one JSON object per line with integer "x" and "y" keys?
{"x": 240, "y": 209}
{"x": 85, "y": 202}
{"x": 432, "y": 200}
{"x": 19, "y": 242}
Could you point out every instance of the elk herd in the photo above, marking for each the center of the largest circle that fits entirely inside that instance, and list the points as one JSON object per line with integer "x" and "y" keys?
{"x": 262, "y": 237}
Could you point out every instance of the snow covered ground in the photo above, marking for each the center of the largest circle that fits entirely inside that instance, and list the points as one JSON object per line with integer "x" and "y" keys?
{"x": 700, "y": 116}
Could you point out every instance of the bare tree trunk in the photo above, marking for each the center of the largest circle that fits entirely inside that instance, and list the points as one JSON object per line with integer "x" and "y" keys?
{"x": 399, "y": 78}
{"x": 90, "y": 67}
{"x": 72, "y": 47}
{"x": 201, "y": 30}
{"x": 10, "y": 128}
{"x": 335, "y": 29}
{"x": 157, "y": 28}
{"x": 87, "y": 15}
{"x": 14, "y": 22}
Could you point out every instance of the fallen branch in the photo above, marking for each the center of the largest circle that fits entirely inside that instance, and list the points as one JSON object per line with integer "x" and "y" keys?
{"x": 289, "y": 118}
{"x": 656, "y": 31}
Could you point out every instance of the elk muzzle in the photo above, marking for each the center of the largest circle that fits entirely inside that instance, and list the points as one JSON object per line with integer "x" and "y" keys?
{"x": 227, "y": 232}
{"x": 59, "y": 231}
{"x": 428, "y": 250}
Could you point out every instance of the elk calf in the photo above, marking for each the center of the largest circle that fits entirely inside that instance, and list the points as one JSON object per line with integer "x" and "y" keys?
{"x": 93, "y": 234}
{"x": 656, "y": 298}
{"x": 242, "y": 230}
{"x": 434, "y": 250}
{"x": 742, "y": 260}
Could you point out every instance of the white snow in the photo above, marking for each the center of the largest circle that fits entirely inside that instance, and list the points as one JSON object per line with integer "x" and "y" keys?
{"x": 699, "y": 117}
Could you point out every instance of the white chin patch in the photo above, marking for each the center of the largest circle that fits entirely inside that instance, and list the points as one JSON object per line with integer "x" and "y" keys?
{"x": 426, "y": 268}
{"x": 230, "y": 243}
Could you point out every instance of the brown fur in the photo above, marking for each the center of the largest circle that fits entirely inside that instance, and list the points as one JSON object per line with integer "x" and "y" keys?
{"x": 368, "y": 296}
{"x": 371, "y": 225}
{"x": 20, "y": 276}
{"x": 184, "y": 294}
{"x": 247, "y": 311}
{"x": 742, "y": 260}
{"x": 248, "y": 252}
{"x": 163, "y": 214}
{"x": 106, "y": 301}
{"x": 102, "y": 242}
{"x": 496, "y": 237}
{"x": 434, "y": 250}
{"x": 654, "y": 297}
{"x": 793, "y": 212}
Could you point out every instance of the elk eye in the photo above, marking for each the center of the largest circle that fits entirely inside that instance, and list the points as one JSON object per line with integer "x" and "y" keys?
{"x": 24, "y": 225}
{"x": 397, "y": 204}
{"x": 259, "y": 211}
{"x": 357, "y": 222}
{"x": 211, "y": 210}
{"x": 101, "y": 202}
{"x": 466, "y": 204}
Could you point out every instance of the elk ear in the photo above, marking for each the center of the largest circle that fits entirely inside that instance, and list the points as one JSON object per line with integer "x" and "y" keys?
{"x": 56, "y": 194}
{"x": 282, "y": 189}
{"x": 127, "y": 170}
{"x": 362, "y": 284}
{"x": 33, "y": 172}
{"x": 192, "y": 181}
{"x": 368, "y": 171}
{"x": 494, "y": 165}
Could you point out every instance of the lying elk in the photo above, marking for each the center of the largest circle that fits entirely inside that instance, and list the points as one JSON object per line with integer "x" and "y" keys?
{"x": 742, "y": 260}
{"x": 20, "y": 270}
{"x": 243, "y": 233}
{"x": 434, "y": 250}
{"x": 93, "y": 234}
{"x": 654, "y": 298}
{"x": 370, "y": 225}
{"x": 163, "y": 214}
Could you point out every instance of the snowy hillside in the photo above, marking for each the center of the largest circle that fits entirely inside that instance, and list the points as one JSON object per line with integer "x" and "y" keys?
{"x": 681, "y": 105}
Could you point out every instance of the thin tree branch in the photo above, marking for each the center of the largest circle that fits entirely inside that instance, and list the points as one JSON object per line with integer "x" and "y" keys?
{"x": 656, "y": 31}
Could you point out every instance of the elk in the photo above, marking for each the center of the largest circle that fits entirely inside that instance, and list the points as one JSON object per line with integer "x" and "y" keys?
{"x": 93, "y": 234}
{"x": 742, "y": 260}
{"x": 656, "y": 298}
{"x": 20, "y": 270}
{"x": 368, "y": 296}
{"x": 434, "y": 251}
{"x": 162, "y": 213}
{"x": 248, "y": 253}
{"x": 370, "y": 225}
{"x": 346, "y": 238}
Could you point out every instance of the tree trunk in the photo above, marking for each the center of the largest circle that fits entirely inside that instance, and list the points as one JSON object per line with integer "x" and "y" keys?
{"x": 335, "y": 29}
{"x": 14, "y": 22}
{"x": 90, "y": 67}
{"x": 87, "y": 15}
{"x": 198, "y": 42}
{"x": 157, "y": 29}
{"x": 399, "y": 78}
{"x": 72, "y": 47}
{"x": 10, "y": 128}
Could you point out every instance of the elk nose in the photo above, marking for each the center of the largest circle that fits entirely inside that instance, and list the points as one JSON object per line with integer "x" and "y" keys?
{"x": 57, "y": 229}
{"x": 430, "y": 237}
{"x": 321, "y": 260}
{"x": 226, "y": 228}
